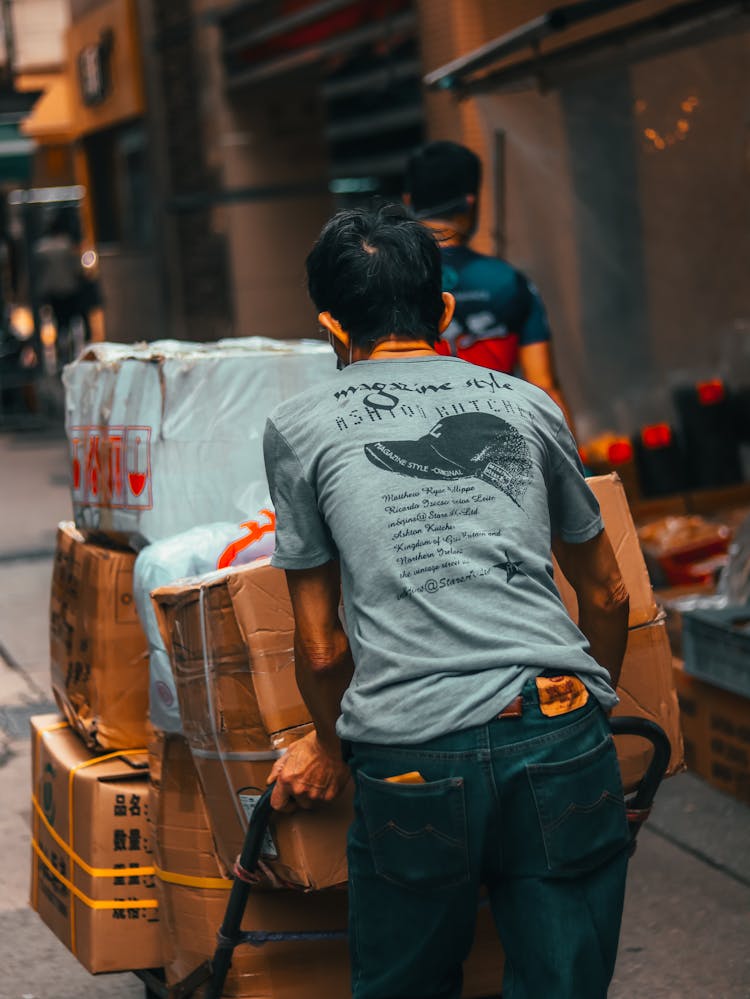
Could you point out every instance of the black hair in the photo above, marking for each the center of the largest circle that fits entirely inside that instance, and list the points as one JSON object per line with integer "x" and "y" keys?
{"x": 378, "y": 273}
{"x": 439, "y": 177}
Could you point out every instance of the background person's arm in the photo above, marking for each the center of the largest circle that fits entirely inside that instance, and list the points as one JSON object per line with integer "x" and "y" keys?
{"x": 312, "y": 770}
{"x": 603, "y": 603}
{"x": 538, "y": 367}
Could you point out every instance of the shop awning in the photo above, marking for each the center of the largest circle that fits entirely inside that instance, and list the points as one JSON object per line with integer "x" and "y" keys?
{"x": 500, "y": 64}
{"x": 51, "y": 118}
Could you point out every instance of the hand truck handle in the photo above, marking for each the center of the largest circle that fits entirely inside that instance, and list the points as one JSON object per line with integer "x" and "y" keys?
{"x": 230, "y": 933}
{"x": 256, "y": 830}
{"x": 640, "y": 802}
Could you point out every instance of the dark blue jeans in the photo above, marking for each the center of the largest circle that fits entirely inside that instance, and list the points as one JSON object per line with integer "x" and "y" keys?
{"x": 532, "y": 807}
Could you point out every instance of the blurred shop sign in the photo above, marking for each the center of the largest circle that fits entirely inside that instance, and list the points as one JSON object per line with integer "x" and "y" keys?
{"x": 94, "y": 69}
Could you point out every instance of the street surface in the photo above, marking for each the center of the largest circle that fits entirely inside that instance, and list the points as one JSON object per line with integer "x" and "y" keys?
{"x": 686, "y": 931}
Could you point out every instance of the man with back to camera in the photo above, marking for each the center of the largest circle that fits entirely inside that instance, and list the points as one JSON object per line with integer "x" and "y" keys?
{"x": 468, "y": 706}
{"x": 500, "y": 321}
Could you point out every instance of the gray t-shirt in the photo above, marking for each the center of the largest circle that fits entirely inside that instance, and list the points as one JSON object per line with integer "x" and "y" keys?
{"x": 438, "y": 485}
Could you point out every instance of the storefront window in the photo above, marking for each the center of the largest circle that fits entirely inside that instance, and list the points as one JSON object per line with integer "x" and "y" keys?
{"x": 118, "y": 170}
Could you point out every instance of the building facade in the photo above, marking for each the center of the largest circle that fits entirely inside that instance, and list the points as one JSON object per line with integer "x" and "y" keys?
{"x": 618, "y": 155}
{"x": 92, "y": 120}
{"x": 615, "y": 149}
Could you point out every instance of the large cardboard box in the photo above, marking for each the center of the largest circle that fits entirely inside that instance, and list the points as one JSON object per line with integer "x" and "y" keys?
{"x": 646, "y": 687}
{"x": 98, "y": 648}
{"x": 230, "y": 635}
{"x": 646, "y": 690}
{"x": 193, "y": 895}
{"x": 201, "y": 549}
{"x": 263, "y": 610}
{"x": 306, "y": 850}
{"x": 92, "y": 870}
{"x": 166, "y": 436}
{"x": 623, "y": 537}
{"x": 229, "y": 714}
{"x": 716, "y": 728}
{"x": 211, "y": 667}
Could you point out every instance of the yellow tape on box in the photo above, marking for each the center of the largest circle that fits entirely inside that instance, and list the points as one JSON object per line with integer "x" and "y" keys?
{"x": 92, "y": 871}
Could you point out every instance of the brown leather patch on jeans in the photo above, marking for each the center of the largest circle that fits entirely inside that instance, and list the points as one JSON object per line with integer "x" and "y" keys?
{"x": 514, "y": 709}
{"x": 560, "y": 694}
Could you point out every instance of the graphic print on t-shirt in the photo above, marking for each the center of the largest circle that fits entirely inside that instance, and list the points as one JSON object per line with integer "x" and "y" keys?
{"x": 457, "y": 447}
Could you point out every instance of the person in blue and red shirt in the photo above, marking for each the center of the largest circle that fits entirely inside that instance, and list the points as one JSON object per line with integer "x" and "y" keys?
{"x": 500, "y": 321}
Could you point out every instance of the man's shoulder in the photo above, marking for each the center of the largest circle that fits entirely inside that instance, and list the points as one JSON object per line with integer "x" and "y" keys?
{"x": 536, "y": 398}
{"x": 286, "y": 415}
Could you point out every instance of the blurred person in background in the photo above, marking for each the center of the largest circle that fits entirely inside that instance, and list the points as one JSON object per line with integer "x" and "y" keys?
{"x": 500, "y": 321}
{"x": 61, "y": 283}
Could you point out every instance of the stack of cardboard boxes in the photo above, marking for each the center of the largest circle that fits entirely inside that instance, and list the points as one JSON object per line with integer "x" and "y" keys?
{"x": 134, "y": 873}
{"x": 230, "y": 638}
{"x": 92, "y": 865}
{"x": 194, "y": 893}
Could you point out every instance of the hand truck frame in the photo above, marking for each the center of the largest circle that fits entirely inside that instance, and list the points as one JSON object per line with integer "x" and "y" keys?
{"x": 213, "y": 972}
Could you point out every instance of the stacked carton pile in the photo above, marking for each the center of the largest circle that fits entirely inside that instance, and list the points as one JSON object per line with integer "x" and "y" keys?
{"x": 133, "y": 874}
{"x": 194, "y": 894}
{"x": 93, "y": 874}
{"x": 92, "y": 869}
{"x": 98, "y": 650}
{"x": 230, "y": 635}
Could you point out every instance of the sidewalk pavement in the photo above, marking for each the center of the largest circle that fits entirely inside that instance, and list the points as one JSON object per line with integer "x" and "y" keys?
{"x": 687, "y": 916}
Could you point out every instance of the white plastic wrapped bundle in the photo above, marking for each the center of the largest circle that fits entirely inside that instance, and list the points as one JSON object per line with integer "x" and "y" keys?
{"x": 167, "y": 436}
{"x": 192, "y": 553}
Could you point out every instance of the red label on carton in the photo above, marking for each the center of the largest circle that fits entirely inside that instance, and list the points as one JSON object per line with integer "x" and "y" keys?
{"x": 111, "y": 467}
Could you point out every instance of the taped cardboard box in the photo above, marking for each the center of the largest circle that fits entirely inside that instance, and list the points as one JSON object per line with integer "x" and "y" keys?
{"x": 263, "y": 610}
{"x": 201, "y": 549}
{"x": 223, "y": 723}
{"x": 92, "y": 870}
{"x": 193, "y": 895}
{"x": 716, "y": 727}
{"x": 646, "y": 690}
{"x": 618, "y": 523}
{"x": 181, "y": 834}
{"x": 210, "y": 665}
{"x": 305, "y": 850}
{"x": 646, "y": 687}
{"x": 98, "y": 648}
{"x": 153, "y": 454}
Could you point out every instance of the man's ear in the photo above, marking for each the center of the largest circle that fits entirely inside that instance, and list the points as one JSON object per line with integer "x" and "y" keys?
{"x": 334, "y": 328}
{"x": 449, "y": 307}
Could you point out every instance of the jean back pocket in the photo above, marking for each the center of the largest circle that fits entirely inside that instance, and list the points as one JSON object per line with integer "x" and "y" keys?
{"x": 581, "y": 809}
{"x": 416, "y": 832}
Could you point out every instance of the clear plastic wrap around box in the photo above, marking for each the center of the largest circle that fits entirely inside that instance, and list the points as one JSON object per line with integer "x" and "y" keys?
{"x": 167, "y": 436}
{"x": 192, "y": 553}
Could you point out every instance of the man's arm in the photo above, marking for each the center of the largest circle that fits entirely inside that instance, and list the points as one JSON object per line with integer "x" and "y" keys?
{"x": 312, "y": 770}
{"x": 538, "y": 367}
{"x": 603, "y": 603}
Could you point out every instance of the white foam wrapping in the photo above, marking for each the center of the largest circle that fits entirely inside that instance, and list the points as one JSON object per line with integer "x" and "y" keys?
{"x": 192, "y": 553}
{"x": 168, "y": 435}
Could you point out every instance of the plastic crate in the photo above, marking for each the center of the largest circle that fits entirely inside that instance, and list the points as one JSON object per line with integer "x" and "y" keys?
{"x": 716, "y": 646}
